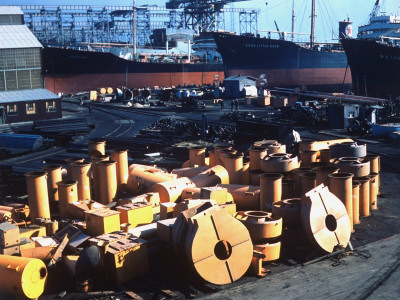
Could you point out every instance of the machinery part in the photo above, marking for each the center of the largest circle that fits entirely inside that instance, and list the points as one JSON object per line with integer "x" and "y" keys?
{"x": 170, "y": 191}
{"x": 88, "y": 263}
{"x": 107, "y": 180}
{"x": 53, "y": 176}
{"x": 254, "y": 177}
{"x": 324, "y": 155}
{"x": 319, "y": 145}
{"x": 260, "y": 224}
{"x": 270, "y": 251}
{"x": 270, "y": 190}
{"x": 358, "y": 167}
{"x": 289, "y": 210}
{"x": 308, "y": 181}
{"x": 94, "y": 173}
{"x": 219, "y": 247}
{"x": 341, "y": 185}
{"x": 211, "y": 177}
{"x": 141, "y": 180}
{"x": 22, "y": 276}
{"x": 256, "y": 155}
{"x": 375, "y": 163}
{"x": 38, "y": 199}
{"x": 68, "y": 192}
{"x": 69, "y": 161}
{"x": 325, "y": 219}
{"x": 356, "y": 202}
{"x": 373, "y": 190}
{"x": 191, "y": 193}
{"x": 120, "y": 156}
{"x": 221, "y": 153}
{"x": 307, "y": 157}
{"x": 211, "y": 158}
{"x": 276, "y": 148}
{"x": 190, "y": 171}
{"x": 279, "y": 163}
{"x": 197, "y": 156}
{"x": 233, "y": 163}
{"x": 96, "y": 147}
{"x": 322, "y": 174}
{"x": 216, "y": 150}
{"x": 264, "y": 143}
{"x": 297, "y": 180}
{"x": 348, "y": 149}
{"x": 287, "y": 189}
{"x": 246, "y": 173}
{"x": 364, "y": 196}
{"x": 246, "y": 197}
{"x": 81, "y": 173}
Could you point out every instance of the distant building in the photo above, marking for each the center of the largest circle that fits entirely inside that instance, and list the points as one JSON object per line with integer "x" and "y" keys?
{"x": 22, "y": 96}
{"x": 234, "y": 85}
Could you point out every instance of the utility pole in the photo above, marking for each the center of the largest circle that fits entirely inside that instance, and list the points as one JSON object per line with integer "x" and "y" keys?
{"x": 312, "y": 38}
{"x": 293, "y": 17}
{"x": 134, "y": 29}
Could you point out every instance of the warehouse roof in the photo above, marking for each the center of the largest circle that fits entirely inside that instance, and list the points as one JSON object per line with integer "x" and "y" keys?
{"x": 10, "y": 10}
{"x": 26, "y": 95}
{"x": 17, "y": 36}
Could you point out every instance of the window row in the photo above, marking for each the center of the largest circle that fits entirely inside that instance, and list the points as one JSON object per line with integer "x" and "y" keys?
{"x": 20, "y": 58}
{"x": 30, "y": 108}
{"x": 20, "y": 80}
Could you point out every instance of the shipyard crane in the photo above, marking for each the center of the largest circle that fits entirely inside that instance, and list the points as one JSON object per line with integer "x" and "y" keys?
{"x": 376, "y": 9}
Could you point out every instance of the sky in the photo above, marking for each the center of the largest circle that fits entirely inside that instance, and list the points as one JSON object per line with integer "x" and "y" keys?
{"x": 329, "y": 12}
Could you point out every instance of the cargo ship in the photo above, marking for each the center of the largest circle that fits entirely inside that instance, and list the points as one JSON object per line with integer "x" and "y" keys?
{"x": 284, "y": 63}
{"x": 374, "y": 57}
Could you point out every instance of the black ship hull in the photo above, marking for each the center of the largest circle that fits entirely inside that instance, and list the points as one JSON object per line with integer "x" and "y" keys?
{"x": 375, "y": 68}
{"x": 70, "y": 71}
{"x": 284, "y": 63}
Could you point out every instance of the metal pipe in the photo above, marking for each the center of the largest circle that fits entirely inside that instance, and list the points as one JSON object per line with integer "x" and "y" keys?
{"x": 96, "y": 147}
{"x": 68, "y": 193}
{"x": 197, "y": 156}
{"x": 297, "y": 180}
{"x": 222, "y": 150}
{"x": 120, "y": 156}
{"x": 356, "y": 202}
{"x": 256, "y": 155}
{"x": 373, "y": 190}
{"x": 69, "y": 161}
{"x": 141, "y": 180}
{"x": 189, "y": 172}
{"x": 308, "y": 181}
{"x": 324, "y": 155}
{"x": 170, "y": 191}
{"x": 81, "y": 173}
{"x": 106, "y": 170}
{"x": 270, "y": 190}
{"x": 246, "y": 197}
{"x": 322, "y": 174}
{"x": 307, "y": 157}
{"x": 234, "y": 165}
{"x": 211, "y": 177}
{"x": 53, "y": 176}
{"x": 95, "y": 176}
{"x": 37, "y": 195}
{"x": 246, "y": 173}
{"x": 364, "y": 196}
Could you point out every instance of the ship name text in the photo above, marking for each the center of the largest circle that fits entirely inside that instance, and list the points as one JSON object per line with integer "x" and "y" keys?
{"x": 261, "y": 46}
{"x": 391, "y": 57}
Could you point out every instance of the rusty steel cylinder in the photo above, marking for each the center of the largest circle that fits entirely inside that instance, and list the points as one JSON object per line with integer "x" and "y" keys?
{"x": 356, "y": 202}
{"x": 373, "y": 190}
{"x": 37, "y": 195}
{"x": 307, "y": 157}
{"x": 189, "y": 172}
{"x": 191, "y": 193}
{"x": 120, "y": 156}
{"x": 81, "y": 173}
{"x": 308, "y": 181}
{"x": 211, "y": 177}
{"x": 246, "y": 197}
{"x": 287, "y": 188}
{"x": 375, "y": 167}
{"x": 297, "y": 180}
{"x": 197, "y": 156}
{"x": 22, "y": 277}
{"x": 221, "y": 152}
{"x": 276, "y": 148}
{"x": 341, "y": 185}
{"x": 53, "y": 176}
{"x": 324, "y": 155}
{"x": 68, "y": 192}
{"x": 69, "y": 161}
{"x": 234, "y": 165}
{"x": 364, "y": 196}
{"x": 170, "y": 191}
{"x": 96, "y": 147}
{"x": 270, "y": 190}
{"x": 246, "y": 173}
{"x": 94, "y": 175}
{"x": 256, "y": 155}
{"x": 211, "y": 158}
{"x": 216, "y": 150}
{"x": 322, "y": 174}
{"x": 107, "y": 180}
{"x": 141, "y": 180}
{"x": 254, "y": 177}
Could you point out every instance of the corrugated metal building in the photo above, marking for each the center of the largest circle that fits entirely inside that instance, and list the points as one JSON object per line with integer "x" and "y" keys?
{"x": 22, "y": 97}
{"x": 235, "y": 84}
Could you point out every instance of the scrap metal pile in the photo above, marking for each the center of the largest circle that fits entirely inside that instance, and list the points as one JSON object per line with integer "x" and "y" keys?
{"x": 224, "y": 214}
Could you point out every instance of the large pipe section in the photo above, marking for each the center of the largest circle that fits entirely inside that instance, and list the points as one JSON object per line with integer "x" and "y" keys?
{"x": 308, "y": 181}
{"x": 364, "y": 196}
{"x": 234, "y": 165}
{"x": 270, "y": 190}
{"x": 94, "y": 173}
{"x": 190, "y": 171}
{"x": 221, "y": 152}
{"x": 216, "y": 152}
{"x": 22, "y": 277}
{"x": 341, "y": 185}
{"x": 322, "y": 174}
{"x": 211, "y": 177}
{"x": 97, "y": 147}
{"x": 246, "y": 197}
{"x": 53, "y": 176}
{"x": 256, "y": 155}
{"x": 38, "y": 198}
{"x": 68, "y": 192}
{"x": 81, "y": 173}
{"x": 170, "y": 191}
{"x": 308, "y": 157}
{"x": 107, "y": 180}
{"x": 356, "y": 202}
{"x": 197, "y": 156}
{"x": 373, "y": 191}
{"x": 297, "y": 180}
{"x": 120, "y": 156}
{"x": 69, "y": 161}
{"x": 141, "y": 180}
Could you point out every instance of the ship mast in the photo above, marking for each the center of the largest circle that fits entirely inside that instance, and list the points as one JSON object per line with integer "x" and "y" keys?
{"x": 293, "y": 17}
{"x": 134, "y": 29}
{"x": 312, "y": 23}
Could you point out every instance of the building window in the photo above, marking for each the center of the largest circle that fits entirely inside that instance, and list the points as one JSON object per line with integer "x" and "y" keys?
{"x": 12, "y": 110}
{"x": 31, "y": 108}
{"x": 51, "y": 106}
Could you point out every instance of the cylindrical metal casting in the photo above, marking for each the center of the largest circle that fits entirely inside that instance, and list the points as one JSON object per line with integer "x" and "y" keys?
{"x": 341, "y": 185}
{"x": 322, "y": 174}
{"x": 297, "y": 180}
{"x": 211, "y": 177}
{"x": 256, "y": 154}
{"x": 356, "y": 202}
{"x": 288, "y": 188}
{"x": 276, "y": 148}
{"x": 170, "y": 191}
{"x": 108, "y": 181}
{"x": 190, "y": 171}
{"x": 254, "y": 177}
{"x": 141, "y": 180}
{"x": 246, "y": 197}
{"x": 289, "y": 210}
{"x": 308, "y": 157}
{"x": 69, "y": 161}
{"x": 348, "y": 149}
{"x": 191, "y": 193}
{"x": 197, "y": 156}
{"x": 211, "y": 158}
{"x": 95, "y": 176}
{"x": 270, "y": 190}
{"x": 97, "y": 147}
{"x": 364, "y": 196}
{"x": 373, "y": 190}
{"x": 68, "y": 192}
{"x": 81, "y": 173}
{"x": 324, "y": 155}
{"x": 279, "y": 163}
{"x": 22, "y": 277}
{"x": 120, "y": 156}
{"x": 375, "y": 163}
{"x": 222, "y": 153}
{"x": 234, "y": 165}
{"x": 308, "y": 181}
{"x": 53, "y": 176}
{"x": 357, "y": 166}
{"x": 38, "y": 198}
{"x": 246, "y": 173}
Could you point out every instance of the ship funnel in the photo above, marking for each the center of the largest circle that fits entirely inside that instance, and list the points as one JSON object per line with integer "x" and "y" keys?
{"x": 345, "y": 29}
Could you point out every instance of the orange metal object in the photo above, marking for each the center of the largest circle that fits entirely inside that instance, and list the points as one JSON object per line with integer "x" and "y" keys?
{"x": 222, "y": 153}
{"x": 276, "y": 148}
{"x": 107, "y": 180}
{"x": 69, "y": 161}
{"x": 120, "y": 156}
{"x": 189, "y": 172}
{"x": 319, "y": 145}
{"x": 356, "y": 202}
{"x": 279, "y": 163}
{"x": 375, "y": 163}
{"x": 297, "y": 180}
{"x": 197, "y": 156}
{"x": 53, "y": 176}
{"x": 324, "y": 155}
{"x": 81, "y": 173}
{"x": 101, "y": 221}
{"x": 234, "y": 165}
{"x": 325, "y": 219}
{"x": 96, "y": 147}
{"x": 287, "y": 189}
{"x": 308, "y": 181}
{"x": 211, "y": 177}
{"x": 94, "y": 174}
{"x": 136, "y": 214}
{"x": 272, "y": 251}
{"x": 246, "y": 197}
{"x": 141, "y": 180}
{"x": 260, "y": 224}
{"x": 357, "y": 166}
{"x": 217, "y": 193}
{"x": 211, "y": 158}
{"x": 341, "y": 185}
{"x": 22, "y": 277}
{"x": 216, "y": 152}
{"x": 68, "y": 193}
{"x": 322, "y": 174}
{"x": 289, "y": 210}
{"x": 76, "y": 209}
{"x": 254, "y": 177}
{"x": 170, "y": 191}
{"x": 364, "y": 196}
{"x": 246, "y": 173}
{"x": 270, "y": 190}
{"x": 256, "y": 154}
{"x": 37, "y": 195}
{"x": 191, "y": 193}
{"x": 307, "y": 157}
{"x": 373, "y": 190}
